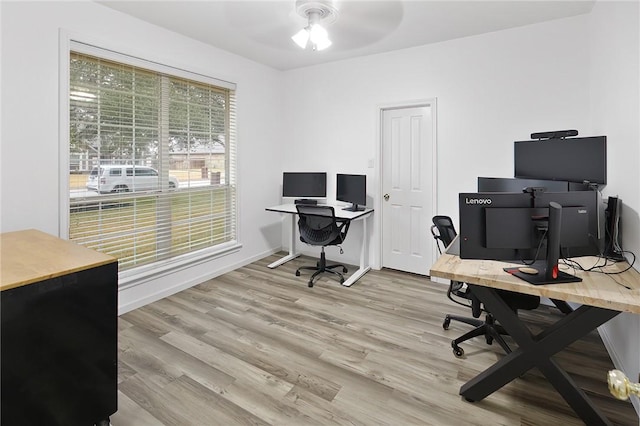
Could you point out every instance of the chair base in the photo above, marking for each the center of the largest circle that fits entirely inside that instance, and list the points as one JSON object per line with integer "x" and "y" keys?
{"x": 321, "y": 267}
{"x": 487, "y": 328}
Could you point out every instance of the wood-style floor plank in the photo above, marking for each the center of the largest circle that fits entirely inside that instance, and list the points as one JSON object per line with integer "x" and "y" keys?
{"x": 256, "y": 346}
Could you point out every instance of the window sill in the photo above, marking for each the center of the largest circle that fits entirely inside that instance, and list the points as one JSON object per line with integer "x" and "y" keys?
{"x": 143, "y": 274}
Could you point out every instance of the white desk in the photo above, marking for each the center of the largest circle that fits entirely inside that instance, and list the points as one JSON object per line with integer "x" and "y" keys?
{"x": 291, "y": 210}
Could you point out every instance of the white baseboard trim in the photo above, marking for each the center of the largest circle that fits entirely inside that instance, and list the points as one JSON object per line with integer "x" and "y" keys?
{"x": 439, "y": 280}
{"x": 611, "y": 349}
{"x": 152, "y": 297}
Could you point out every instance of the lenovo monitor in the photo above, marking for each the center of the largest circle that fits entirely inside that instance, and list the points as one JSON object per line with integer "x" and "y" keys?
{"x": 480, "y": 212}
{"x": 514, "y": 226}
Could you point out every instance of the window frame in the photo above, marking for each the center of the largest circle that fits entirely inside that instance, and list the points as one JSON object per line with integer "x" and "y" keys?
{"x": 69, "y": 42}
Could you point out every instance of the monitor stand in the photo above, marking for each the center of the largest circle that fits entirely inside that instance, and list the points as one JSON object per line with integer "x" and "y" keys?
{"x": 546, "y": 271}
{"x": 541, "y": 277}
{"x": 354, "y": 208}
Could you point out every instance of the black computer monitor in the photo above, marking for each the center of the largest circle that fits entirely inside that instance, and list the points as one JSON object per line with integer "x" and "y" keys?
{"x": 481, "y": 210}
{"x": 513, "y": 226}
{"x": 577, "y": 195}
{"x": 496, "y": 184}
{"x": 571, "y": 159}
{"x": 352, "y": 189}
{"x": 304, "y": 184}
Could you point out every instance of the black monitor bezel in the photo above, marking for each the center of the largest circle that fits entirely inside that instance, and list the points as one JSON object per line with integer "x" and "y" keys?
{"x": 308, "y": 190}
{"x": 351, "y": 188}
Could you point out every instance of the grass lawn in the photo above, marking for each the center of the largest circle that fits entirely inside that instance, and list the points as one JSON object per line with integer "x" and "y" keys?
{"x": 143, "y": 228}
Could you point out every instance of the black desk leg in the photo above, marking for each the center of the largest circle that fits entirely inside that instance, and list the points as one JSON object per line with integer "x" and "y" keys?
{"x": 564, "y": 307}
{"x": 536, "y": 351}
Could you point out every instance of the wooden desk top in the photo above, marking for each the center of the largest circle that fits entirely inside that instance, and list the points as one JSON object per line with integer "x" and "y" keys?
{"x": 596, "y": 289}
{"x": 31, "y": 256}
{"x": 338, "y": 210}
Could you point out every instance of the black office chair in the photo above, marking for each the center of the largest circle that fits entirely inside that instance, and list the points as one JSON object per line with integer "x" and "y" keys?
{"x": 319, "y": 227}
{"x": 460, "y": 293}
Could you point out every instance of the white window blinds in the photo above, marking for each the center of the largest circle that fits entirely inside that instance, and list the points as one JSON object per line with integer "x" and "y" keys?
{"x": 152, "y": 160}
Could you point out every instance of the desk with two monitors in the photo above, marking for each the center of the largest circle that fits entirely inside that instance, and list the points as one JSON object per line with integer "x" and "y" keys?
{"x": 312, "y": 186}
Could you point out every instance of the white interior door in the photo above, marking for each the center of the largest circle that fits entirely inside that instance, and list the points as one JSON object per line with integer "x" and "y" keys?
{"x": 407, "y": 188}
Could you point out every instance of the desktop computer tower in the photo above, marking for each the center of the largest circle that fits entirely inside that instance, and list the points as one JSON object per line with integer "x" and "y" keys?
{"x": 613, "y": 245}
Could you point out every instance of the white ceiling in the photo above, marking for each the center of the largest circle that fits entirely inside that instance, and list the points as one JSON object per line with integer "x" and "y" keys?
{"x": 262, "y": 30}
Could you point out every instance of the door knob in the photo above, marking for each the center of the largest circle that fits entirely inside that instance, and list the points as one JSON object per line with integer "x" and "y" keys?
{"x": 386, "y": 197}
{"x": 620, "y": 386}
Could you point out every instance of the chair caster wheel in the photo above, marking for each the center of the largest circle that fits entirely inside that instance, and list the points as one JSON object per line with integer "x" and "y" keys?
{"x": 446, "y": 323}
{"x": 489, "y": 340}
{"x": 310, "y": 284}
{"x": 297, "y": 273}
{"x": 457, "y": 350}
{"x": 342, "y": 281}
{"x": 344, "y": 270}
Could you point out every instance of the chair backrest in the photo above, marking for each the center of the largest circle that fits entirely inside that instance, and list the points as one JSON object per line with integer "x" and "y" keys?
{"x": 319, "y": 226}
{"x": 446, "y": 231}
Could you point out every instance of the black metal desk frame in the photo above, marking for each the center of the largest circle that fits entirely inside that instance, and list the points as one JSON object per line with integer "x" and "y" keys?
{"x": 537, "y": 351}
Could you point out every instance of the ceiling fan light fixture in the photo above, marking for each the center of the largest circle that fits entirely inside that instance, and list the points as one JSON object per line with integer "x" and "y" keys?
{"x": 314, "y": 34}
{"x": 319, "y": 37}
{"x": 301, "y": 38}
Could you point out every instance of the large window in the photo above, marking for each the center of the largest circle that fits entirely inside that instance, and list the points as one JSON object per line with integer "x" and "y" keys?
{"x": 151, "y": 161}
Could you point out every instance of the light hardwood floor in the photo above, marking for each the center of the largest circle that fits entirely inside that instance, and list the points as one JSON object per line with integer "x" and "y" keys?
{"x": 257, "y": 346}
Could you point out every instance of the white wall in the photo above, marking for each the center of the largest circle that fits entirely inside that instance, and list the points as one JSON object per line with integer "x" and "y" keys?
{"x": 30, "y": 110}
{"x": 491, "y": 90}
{"x": 615, "y": 111}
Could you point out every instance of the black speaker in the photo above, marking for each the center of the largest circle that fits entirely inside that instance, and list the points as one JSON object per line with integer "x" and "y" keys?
{"x": 306, "y": 201}
{"x": 556, "y": 134}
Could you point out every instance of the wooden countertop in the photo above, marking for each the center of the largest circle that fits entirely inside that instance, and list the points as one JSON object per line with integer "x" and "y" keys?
{"x": 596, "y": 289}
{"x": 31, "y": 256}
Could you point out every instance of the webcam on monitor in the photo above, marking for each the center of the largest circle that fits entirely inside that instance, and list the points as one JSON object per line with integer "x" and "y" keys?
{"x": 555, "y": 134}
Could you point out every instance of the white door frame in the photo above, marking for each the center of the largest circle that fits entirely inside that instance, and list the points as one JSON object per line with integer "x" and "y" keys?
{"x": 377, "y": 199}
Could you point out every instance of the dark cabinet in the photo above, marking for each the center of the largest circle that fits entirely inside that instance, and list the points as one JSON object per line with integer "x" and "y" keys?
{"x": 58, "y": 332}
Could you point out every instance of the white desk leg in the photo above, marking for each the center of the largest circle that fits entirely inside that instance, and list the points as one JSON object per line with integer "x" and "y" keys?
{"x": 292, "y": 246}
{"x": 364, "y": 257}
